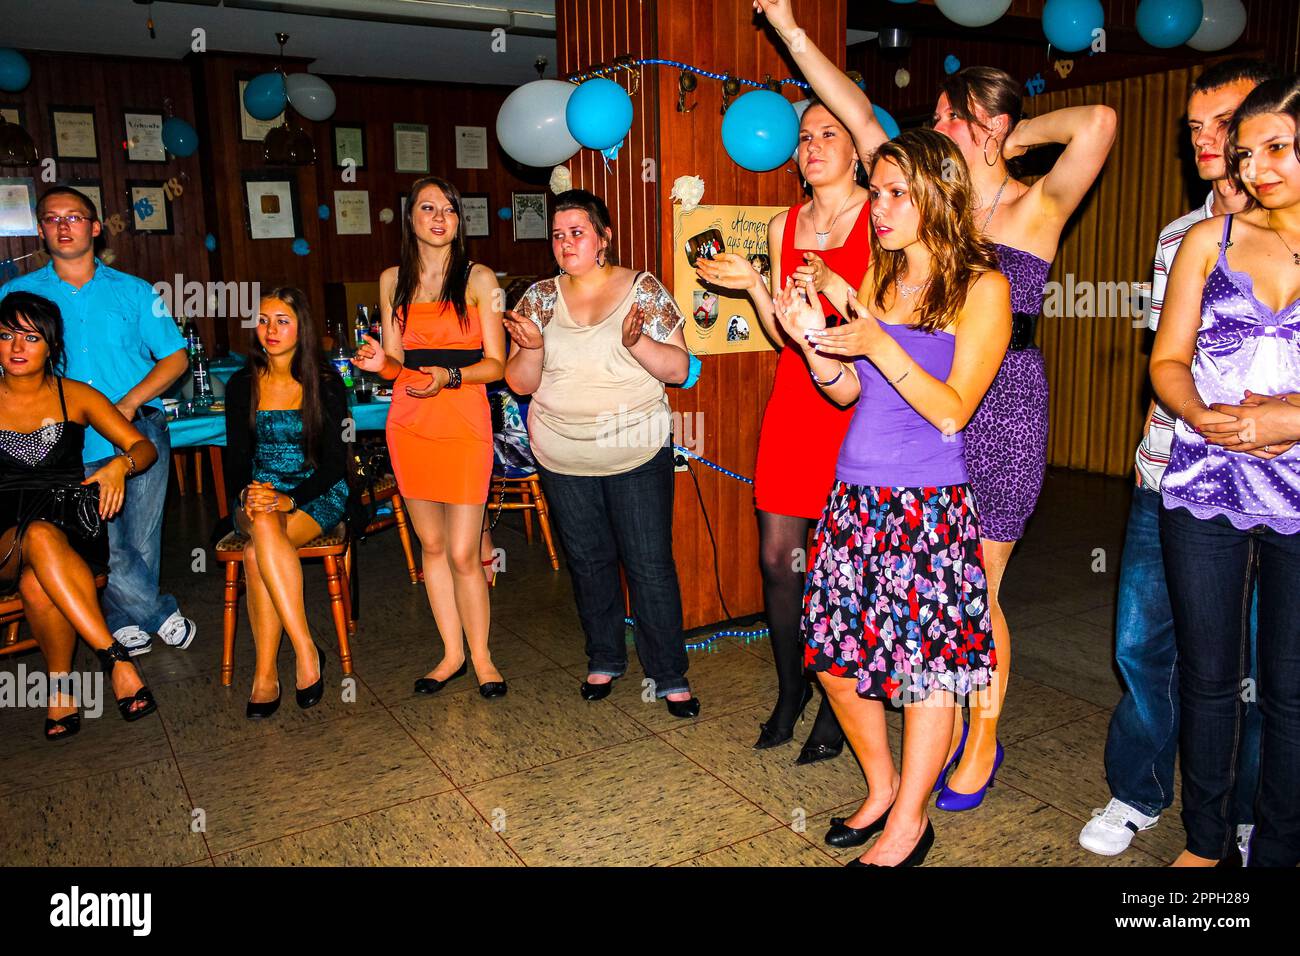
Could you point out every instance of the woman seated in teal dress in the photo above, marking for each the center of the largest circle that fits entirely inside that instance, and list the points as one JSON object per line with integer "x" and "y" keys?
{"x": 286, "y": 462}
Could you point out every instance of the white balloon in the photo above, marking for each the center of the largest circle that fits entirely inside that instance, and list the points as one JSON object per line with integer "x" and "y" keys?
{"x": 1222, "y": 23}
{"x": 973, "y": 13}
{"x": 531, "y": 126}
{"x": 310, "y": 95}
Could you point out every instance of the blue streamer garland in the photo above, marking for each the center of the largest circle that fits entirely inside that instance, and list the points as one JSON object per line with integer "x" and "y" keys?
{"x": 789, "y": 81}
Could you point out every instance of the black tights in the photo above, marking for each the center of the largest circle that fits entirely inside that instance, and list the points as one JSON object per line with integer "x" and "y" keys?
{"x": 782, "y": 541}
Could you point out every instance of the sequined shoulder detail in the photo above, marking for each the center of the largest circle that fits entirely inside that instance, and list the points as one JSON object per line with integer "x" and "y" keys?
{"x": 538, "y": 303}
{"x": 31, "y": 448}
{"x": 662, "y": 317}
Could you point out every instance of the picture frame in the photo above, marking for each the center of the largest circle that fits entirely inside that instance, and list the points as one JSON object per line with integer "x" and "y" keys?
{"x": 475, "y": 213}
{"x": 18, "y": 206}
{"x": 151, "y": 211}
{"x": 252, "y": 130}
{"x": 142, "y": 133}
{"x": 72, "y": 133}
{"x": 94, "y": 189}
{"x": 528, "y": 216}
{"x": 349, "y": 140}
{"x": 13, "y": 113}
{"x": 267, "y": 193}
{"x": 352, "y": 212}
{"x": 411, "y": 147}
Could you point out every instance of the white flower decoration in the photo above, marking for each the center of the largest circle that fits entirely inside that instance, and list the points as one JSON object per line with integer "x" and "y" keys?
{"x": 688, "y": 190}
{"x": 561, "y": 180}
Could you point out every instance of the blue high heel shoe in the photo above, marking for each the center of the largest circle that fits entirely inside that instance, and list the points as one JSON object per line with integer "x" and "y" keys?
{"x": 955, "y": 802}
{"x": 952, "y": 761}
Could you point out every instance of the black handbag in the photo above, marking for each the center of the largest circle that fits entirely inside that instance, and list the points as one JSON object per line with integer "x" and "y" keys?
{"x": 73, "y": 508}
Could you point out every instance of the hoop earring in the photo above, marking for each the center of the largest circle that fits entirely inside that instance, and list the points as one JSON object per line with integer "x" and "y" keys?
{"x": 998, "y": 151}
{"x": 600, "y": 260}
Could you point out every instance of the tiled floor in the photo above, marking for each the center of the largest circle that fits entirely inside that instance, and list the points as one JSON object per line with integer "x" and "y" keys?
{"x": 376, "y": 775}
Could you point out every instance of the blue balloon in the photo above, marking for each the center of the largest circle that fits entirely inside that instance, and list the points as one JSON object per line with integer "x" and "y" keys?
{"x": 760, "y": 130}
{"x": 951, "y": 64}
{"x": 504, "y": 213}
{"x": 887, "y": 122}
{"x": 210, "y": 242}
{"x": 1068, "y": 24}
{"x": 1166, "y": 23}
{"x": 323, "y": 211}
{"x": 300, "y": 247}
{"x": 599, "y": 113}
{"x": 179, "y": 137}
{"x": 15, "y": 71}
{"x": 265, "y": 96}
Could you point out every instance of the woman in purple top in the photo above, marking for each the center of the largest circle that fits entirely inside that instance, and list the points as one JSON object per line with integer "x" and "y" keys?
{"x": 896, "y": 604}
{"x": 979, "y": 109}
{"x": 1226, "y": 358}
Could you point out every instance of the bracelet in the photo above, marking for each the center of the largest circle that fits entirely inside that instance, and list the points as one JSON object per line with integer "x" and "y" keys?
{"x": 293, "y": 505}
{"x": 131, "y": 470}
{"x": 453, "y": 378}
{"x": 829, "y": 382}
{"x": 1194, "y": 398}
{"x": 901, "y": 377}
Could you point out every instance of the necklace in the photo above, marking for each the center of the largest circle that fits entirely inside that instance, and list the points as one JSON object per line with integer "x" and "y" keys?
{"x": 1295, "y": 256}
{"x": 824, "y": 237}
{"x": 907, "y": 291}
{"x": 996, "y": 199}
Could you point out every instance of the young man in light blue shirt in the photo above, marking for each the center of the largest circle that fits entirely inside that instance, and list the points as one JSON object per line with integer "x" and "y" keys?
{"x": 121, "y": 339}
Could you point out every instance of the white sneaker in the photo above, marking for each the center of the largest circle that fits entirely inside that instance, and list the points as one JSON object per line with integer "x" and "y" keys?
{"x": 1244, "y": 831}
{"x": 136, "y": 640}
{"x": 1111, "y": 829}
{"x": 178, "y": 631}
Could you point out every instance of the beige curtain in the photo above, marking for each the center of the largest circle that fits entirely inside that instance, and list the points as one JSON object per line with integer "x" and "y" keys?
{"x": 1097, "y": 365}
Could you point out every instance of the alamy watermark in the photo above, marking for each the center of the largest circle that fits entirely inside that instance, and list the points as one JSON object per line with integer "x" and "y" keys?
{"x": 627, "y": 429}
{"x": 37, "y": 689}
{"x": 217, "y": 300}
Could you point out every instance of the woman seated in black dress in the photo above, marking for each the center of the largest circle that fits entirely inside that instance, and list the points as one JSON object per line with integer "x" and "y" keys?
{"x": 52, "y": 535}
{"x": 287, "y": 465}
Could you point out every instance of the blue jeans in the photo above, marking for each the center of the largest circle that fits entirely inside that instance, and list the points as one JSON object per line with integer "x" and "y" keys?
{"x": 135, "y": 537}
{"x": 628, "y": 518}
{"x": 1211, "y": 566}
{"x": 1143, "y": 737}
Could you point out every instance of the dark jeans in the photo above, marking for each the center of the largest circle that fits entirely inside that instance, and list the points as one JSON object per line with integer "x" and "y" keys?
{"x": 629, "y": 518}
{"x": 1210, "y": 566}
{"x": 1143, "y": 737}
{"x": 135, "y": 537}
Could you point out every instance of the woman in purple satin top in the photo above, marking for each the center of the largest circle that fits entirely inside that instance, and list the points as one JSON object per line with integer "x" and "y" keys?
{"x": 1227, "y": 362}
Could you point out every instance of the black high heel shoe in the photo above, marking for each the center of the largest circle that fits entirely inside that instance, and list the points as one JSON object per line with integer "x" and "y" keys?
{"x": 684, "y": 708}
{"x": 311, "y": 696}
{"x": 772, "y": 734}
{"x": 842, "y": 835}
{"x": 591, "y": 691}
{"x": 431, "y": 685}
{"x": 109, "y": 658}
{"x": 812, "y": 753}
{"x": 915, "y": 858}
{"x": 67, "y": 726}
{"x": 261, "y": 709}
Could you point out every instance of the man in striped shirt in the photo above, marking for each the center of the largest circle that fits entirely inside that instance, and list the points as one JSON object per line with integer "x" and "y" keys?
{"x": 1143, "y": 736}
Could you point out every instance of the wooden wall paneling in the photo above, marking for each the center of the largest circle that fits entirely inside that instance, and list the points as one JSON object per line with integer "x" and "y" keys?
{"x": 108, "y": 84}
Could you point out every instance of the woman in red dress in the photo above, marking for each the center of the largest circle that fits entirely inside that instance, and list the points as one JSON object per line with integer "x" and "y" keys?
{"x": 828, "y": 237}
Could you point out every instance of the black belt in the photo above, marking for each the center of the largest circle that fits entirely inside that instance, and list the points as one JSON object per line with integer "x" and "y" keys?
{"x": 415, "y": 359}
{"x": 1024, "y": 325}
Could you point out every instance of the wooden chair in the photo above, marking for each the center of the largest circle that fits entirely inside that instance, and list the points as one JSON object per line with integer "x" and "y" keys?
{"x": 12, "y": 614}
{"x": 525, "y": 494}
{"x": 385, "y": 489}
{"x": 334, "y": 547}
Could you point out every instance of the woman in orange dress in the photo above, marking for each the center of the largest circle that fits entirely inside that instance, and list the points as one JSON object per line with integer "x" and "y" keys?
{"x": 443, "y": 342}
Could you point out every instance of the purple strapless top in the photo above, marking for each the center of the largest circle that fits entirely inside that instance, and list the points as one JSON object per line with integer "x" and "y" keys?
{"x": 1027, "y": 274}
{"x": 888, "y": 443}
{"x": 1241, "y": 344}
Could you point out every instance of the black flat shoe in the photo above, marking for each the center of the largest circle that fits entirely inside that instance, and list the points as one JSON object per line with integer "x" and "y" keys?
{"x": 812, "y": 753}
{"x": 261, "y": 709}
{"x": 311, "y": 696}
{"x": 842, "y": 835}
{"x": 67, "y": 727}
{"x": 596, "y": 691}
{"x": 431, "y": 685}
{"x": 772, "y": 734}
{"x": 109, "y": 658}
{"x": 493, "y": 688}
{"x": 683, "y": 708}
{"x": 915, "y": 858}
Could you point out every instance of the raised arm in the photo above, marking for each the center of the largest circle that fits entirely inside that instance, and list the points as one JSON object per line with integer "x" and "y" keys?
{"x": 841, "y": 95}
{"x": 1087, "y": 132}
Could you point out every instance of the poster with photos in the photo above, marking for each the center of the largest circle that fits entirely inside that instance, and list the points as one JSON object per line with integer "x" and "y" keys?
{"x": 719, "y": 320}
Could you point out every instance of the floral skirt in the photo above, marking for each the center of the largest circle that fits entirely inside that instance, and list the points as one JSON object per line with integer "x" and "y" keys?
{"x": 896, "y": 596}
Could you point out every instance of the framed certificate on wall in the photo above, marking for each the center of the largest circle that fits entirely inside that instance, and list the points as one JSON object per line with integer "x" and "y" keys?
{"x": 254, "y": 130}
{"x": 73, "y": 129}
{"x": 150, "y": 208}
{"x": 349, "y": 143}
{"x": 269, "y": 202}
{"x": 144, "y": 143}
{"x": 474, "y": 214}
{"x": 410, "y": 147}
{"x": 18, "y": 206}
